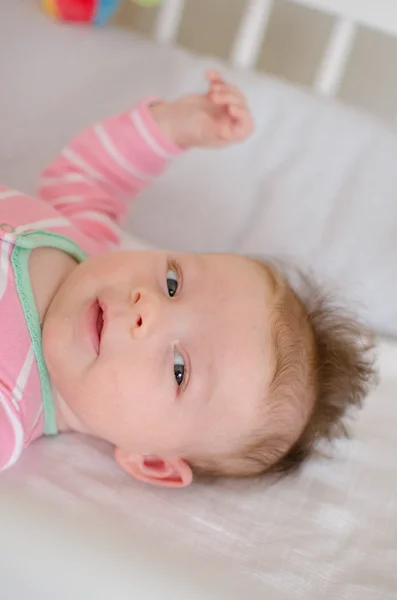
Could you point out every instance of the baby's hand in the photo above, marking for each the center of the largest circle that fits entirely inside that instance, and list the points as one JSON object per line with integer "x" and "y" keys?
{"x": 217, "y": 118}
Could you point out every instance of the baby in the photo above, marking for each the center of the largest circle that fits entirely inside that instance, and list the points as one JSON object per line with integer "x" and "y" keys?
{"x": 183, "y": 362}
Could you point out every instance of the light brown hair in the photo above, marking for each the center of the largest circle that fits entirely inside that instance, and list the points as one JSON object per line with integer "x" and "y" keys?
{"x": 324, "y": 368}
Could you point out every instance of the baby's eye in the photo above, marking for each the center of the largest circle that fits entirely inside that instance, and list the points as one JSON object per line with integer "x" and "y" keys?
{"x": 172, "y": 282}
{"x": 179, "y": 367}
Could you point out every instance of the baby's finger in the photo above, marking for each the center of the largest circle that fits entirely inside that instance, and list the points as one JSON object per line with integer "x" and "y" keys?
{"x": 242, "y": 120}
{"x": 213, "y": 76}
{"x": 227, "y": 98}
{"x": 227, "y": 94}
{"x": 238, "y": 112}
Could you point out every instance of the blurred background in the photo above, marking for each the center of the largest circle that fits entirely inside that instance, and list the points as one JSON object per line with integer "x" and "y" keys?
{"x": 295, "y": 39}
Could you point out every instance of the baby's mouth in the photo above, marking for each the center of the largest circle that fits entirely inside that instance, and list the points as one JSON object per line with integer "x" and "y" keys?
{"x": 99, "y": 325}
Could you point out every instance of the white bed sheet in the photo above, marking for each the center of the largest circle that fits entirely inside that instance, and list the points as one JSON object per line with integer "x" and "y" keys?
{"x": 330, "y": 532}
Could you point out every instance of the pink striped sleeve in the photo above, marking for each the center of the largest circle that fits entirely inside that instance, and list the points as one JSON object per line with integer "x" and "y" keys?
{"x": 93, "y": 178}
{"x": 11, "y": 433}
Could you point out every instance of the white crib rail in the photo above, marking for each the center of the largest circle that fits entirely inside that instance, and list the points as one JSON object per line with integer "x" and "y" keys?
{"x": 250, "y": 34}
{"x": 332, "y": 66}
{"x": 168, "y": 21}
{"x": 349, "y": 15}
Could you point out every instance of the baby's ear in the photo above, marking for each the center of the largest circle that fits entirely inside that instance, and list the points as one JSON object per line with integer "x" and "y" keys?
{"x": 157, "y": 470}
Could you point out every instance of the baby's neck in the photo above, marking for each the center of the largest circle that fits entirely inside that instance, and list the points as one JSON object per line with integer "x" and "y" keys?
{"x": 66, "y": 420}
{"x": 48, "y": 269}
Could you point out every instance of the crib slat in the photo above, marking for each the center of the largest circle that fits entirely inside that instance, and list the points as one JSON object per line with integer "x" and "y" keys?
{"x": 168, "y": 21}
{"x": 250, "y": 34}
{"x": 335, "y": 57}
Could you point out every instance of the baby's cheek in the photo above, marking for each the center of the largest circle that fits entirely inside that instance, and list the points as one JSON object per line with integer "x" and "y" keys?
{"x": 122, "y": 402}
{"x": 125, "y": 398}
{"x": 94, "y": 401}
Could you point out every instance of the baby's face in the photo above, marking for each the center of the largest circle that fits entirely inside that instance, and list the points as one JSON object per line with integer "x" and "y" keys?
{"x": 161, "y": 353}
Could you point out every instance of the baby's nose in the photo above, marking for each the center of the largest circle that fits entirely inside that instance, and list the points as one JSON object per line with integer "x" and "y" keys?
{"x": 145, "y": 312}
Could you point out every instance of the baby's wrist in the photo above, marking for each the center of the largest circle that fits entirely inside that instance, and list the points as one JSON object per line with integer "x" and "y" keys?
{"x": 166, "y": 117}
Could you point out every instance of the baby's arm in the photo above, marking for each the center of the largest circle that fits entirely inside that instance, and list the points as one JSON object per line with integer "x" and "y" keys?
{"x": 104, "y": 166}
{"x": 111, "y": 162}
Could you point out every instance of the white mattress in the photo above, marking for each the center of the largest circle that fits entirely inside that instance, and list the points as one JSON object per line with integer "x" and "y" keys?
{"x": 71, "y": 523}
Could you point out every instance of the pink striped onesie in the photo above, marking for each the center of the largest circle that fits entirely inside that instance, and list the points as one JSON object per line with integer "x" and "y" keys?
{"x": 82, "y": 198}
